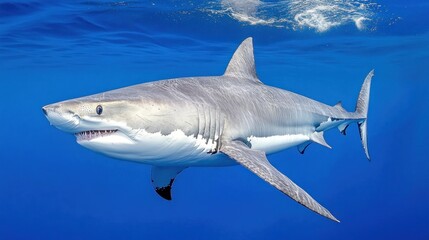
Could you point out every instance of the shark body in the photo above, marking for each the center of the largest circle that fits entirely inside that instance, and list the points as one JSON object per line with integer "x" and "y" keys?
{"x": 207, "y": 121}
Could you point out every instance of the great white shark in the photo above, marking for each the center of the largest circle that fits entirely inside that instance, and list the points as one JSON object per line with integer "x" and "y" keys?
{"x": 207, "y": 121}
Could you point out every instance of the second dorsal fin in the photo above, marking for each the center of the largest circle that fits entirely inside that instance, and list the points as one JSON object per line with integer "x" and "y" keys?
{"x": 242, "y": 63}
{"x": 339, "y": 106}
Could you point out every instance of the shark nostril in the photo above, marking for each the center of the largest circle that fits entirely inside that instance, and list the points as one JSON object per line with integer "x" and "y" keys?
{"x": 44, "y": 111}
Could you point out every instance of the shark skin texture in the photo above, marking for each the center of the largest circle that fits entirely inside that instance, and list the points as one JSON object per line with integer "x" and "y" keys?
{"x": 214, "y": 121}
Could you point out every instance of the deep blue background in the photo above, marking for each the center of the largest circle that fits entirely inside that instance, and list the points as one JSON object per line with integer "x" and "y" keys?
{"x": 51, "y": 188}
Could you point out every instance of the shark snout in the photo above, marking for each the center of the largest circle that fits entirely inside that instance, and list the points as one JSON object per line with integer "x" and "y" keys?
{"x": 62, "y": 119}
{"x": 44, "y": 111}
{"x": 49, "y": 108}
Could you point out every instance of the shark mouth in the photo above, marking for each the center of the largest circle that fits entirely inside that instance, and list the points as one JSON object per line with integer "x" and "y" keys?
{"x": 92, "y": 134}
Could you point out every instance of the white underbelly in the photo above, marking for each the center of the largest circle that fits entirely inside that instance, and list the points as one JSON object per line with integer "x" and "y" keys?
{"x": 174, "y": 149}
{"x": 272, "y": 144}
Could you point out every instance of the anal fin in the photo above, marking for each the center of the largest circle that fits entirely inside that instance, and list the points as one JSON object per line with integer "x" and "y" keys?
{"x": 257, "y": 162}
{"x": 163, "y": 178}
{"x": 343, "y": 128}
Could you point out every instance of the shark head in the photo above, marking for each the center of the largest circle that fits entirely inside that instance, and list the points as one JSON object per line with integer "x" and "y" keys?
{"x": 116, "y": 123}
{"x": 98, "y": 123}
{"x": 133, "y": 123}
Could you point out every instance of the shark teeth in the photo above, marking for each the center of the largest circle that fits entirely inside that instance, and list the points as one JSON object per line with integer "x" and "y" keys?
{"x": 91, "y": 134}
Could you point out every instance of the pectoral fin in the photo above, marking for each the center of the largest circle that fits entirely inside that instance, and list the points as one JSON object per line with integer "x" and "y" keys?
{"x": 257, "y": 162}
{"x": 163, "y": 178}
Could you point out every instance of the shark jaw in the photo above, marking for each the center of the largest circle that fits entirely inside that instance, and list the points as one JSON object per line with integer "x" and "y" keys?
{"x": 103, "y": 141}
{"x": 93, "y": 134}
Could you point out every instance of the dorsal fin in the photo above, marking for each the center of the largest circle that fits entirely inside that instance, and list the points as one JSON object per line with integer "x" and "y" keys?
{"x": 242, "y": 63}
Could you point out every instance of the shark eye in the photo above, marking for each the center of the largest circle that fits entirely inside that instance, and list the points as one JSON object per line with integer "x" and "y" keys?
{"x": 99, "y": 109}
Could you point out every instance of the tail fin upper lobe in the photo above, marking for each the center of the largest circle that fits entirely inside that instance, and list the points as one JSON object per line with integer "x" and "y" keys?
{"x": 362, "y": 109}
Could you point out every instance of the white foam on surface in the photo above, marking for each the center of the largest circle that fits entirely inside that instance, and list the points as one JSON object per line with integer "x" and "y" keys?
{"x": 319, "y": 15}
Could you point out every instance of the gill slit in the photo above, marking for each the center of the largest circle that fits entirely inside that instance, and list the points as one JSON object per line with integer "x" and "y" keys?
{"x": 210, "y": 127}
{"x": 206, "y": 134}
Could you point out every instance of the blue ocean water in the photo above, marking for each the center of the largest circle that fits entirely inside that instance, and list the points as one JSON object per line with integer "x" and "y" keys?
{"x": 51, "y": 188}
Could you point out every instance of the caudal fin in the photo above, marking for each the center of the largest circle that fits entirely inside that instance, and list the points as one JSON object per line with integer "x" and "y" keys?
{"x": 362, "y": 110}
